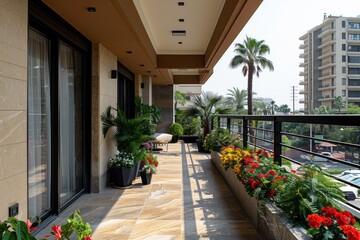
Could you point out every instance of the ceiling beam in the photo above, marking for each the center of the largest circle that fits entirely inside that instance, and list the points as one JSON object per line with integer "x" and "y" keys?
{"x": 186, "y": 79}
{"x": 180, "y": 61}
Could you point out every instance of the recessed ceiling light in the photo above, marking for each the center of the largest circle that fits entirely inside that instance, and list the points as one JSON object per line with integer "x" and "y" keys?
{"x": 129, "y": 52}
{"x": 154, "y": 76}
{"x": 91, "y": 9}
{"x": 141, "y": 65}
{"x": 179, "y": 42}
{"x": 181, "y": 4}
{"x": 178, "y": 32}
{"x": 181, "y": 20}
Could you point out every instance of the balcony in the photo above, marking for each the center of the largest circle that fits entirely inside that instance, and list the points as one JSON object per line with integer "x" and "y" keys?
{"x": 327, "y": 64}
{"x": 326, "y": 54}
{"x": 326, "y": 75}
{"x": 326, "y": 87}
{"x": 325, "y": 98}
{"x": 326, "y": 32}
{"x": 326, "y": 43}
{"x": 186, "y": 199}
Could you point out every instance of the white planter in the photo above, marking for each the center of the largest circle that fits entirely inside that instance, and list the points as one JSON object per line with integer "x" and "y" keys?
{"x": 268, "y": 219}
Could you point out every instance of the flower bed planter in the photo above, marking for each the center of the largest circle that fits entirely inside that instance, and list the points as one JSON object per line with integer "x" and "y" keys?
{"x": 266, "y": 218}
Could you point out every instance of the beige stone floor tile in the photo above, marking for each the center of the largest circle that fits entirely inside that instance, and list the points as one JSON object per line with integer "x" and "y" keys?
{"x": 148, "y": 229}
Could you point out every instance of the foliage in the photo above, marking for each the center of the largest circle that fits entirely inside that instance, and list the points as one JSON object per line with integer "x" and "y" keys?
{"x": 353, "y": 109}
{"x": 176, "y": 130}
{"x": 283, "y": 108}
{"x": 150, "y": 164}
{"x": 130, "y": 133}
{"x": 305, "y": 194}
{"x": 151, "y": 112}
{"x": 219, "y": 138}
{"x": 205, "y": 106}
{"x": 332, "y": 224}
{"x": 180, "y": 98}
{"x": 13, "y": 229}
{"x": 122, "y": 160}
{"x": 191, "y": 126}
{"x": 339, "y": 103}
{"x": 236, "y": 99}
{"x": 323, "y": 109}
{"x": 250, "y": 55}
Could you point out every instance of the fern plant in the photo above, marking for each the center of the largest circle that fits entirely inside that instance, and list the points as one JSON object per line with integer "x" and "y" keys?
{"x": 309, "y": 193}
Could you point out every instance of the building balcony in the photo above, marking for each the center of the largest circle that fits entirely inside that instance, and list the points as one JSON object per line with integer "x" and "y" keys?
{"x": 326, "y": 98}
{"x": 327, "y": 64}
{"x": 326, "y": 87}
{"x": 326, "y": 54}
{"x": 302, "y": 91}
{"x": 326, "y": 76}
{"x": 326, "y": 43}
{"x": 326, "y": 32}
{"x": 303, "y": 100}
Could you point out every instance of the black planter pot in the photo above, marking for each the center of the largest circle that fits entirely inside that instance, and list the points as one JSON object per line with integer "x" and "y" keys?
{"x": 146, "y": 178}
{"x": 189, "y": 138}
{"x": 200, "y": 145}
{"x": 174, "y": 139}
{"x": 121, "y": 177}
{"x": 135, "y": 171}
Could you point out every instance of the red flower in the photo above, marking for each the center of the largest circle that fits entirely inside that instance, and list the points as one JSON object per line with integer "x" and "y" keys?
{"x": 314, "y": 220}
{"x": 271, "y": 194}
{"x": 57, "y": 231}
{"x": 350, "y": 216}
{"x": 344, "y": 219}
{"x": 251, "y": 170}
{"x": 293, "y": 171}
{"x": 254, "y": 184}
{"x": 329, "y": 211}
{"x": 150, "y": 161}
{"x": 328, "y": 221}
{"x": 156, "y": 164}
{"x": 351, "y": 232}
{"x": 260, "y": 175}
{"x": 272, "y": 172}
{"x": 29, "y": 224}
{"x": 88, "y": 237}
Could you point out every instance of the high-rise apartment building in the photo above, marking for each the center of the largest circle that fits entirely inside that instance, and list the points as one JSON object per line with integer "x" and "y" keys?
{"x": 331, "y": 65}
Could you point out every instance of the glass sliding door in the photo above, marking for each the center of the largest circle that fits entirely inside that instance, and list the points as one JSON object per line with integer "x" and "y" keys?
{"x": 70, "y": 116}
{"x": 39, "y": 125}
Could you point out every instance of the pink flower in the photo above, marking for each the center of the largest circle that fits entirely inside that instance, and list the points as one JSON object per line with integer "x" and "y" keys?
{"x": 29, "y": 224}
{"x": 57, "y": 231}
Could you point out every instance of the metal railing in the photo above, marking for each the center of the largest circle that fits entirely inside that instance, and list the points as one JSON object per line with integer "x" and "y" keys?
{"x": 301, "y": 138}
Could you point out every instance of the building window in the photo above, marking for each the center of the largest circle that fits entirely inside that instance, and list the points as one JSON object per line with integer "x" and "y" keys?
{"x": 343, "y": 93}
{"x": 343, "y": 69}
{"x": 343, "y": 80}
{"x": 354, "y": 59}
{"x": 343, "y": 47}
{"x": 354, "y": 94}
{"x": 354, "y": 48}
{"x": 332, "y": 48}
{"x": 343, "y": 58}
{"x": 354, "y": 37}
{"x": 354, "y": 82}
{"x": 343, "y": 24}
{"x": 354, "y": 25}
{"x": 343, "y": 35}
{"x": 332, "y": 36}
{"x": 353, "y": 70}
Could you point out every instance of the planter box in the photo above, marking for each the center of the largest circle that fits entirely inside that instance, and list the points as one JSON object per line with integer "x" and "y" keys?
{"x": 189, "y": 138}
{"x": 268, "y": 219}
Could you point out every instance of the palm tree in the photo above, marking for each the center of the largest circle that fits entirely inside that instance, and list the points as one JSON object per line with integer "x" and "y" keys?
{"x": 237, "y": 98}
{"x": 250, "y": 55}
{"x": 339, "y": 103}
{"x": 205, "y": 106}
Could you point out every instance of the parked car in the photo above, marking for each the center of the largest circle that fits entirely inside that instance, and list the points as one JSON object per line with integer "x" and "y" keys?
{"x": 321, "y": 159}
{"x": 349, "y": 192}
{"x": 350, "y": 171}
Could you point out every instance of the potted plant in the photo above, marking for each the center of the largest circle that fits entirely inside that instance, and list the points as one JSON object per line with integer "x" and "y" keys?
{"x": 129, "y": 135}
{"x": 191, "y": 127}
{"x": 149, "y": 167}
{"x": 205, "y": 106}
{"x": 219, "y": 138}
{"x": 176, "y": 130}
{"x": 121, "y": 169}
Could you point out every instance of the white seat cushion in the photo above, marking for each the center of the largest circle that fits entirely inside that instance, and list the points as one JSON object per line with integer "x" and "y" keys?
{"x": 163, "y": 137}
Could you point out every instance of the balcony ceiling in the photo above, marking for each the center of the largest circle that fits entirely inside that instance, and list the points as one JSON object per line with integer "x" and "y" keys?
{"x": 144, "y": 28}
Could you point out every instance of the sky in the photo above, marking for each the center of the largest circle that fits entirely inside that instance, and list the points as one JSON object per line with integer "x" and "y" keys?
{"x": 280, "y": 23}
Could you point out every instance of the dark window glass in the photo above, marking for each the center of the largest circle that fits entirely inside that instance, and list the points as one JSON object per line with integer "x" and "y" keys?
{"x": 355, "y": 94}
{"x": 354, "y": 37}
{"x": 354, "y": 48}
{"x": 353, "y": 70}
{"x": 354, "y": 82}
{"x": 354, "y": 25}
{"x": 354, "y": 59}
{"x": 343, "y": 80}
{"x": 343, "y": 58}
{"x": 343, "y": 24}
{"x": 343, "y": 69}
{"x": 344, "y": 47}
{"x": 343, "y": 35}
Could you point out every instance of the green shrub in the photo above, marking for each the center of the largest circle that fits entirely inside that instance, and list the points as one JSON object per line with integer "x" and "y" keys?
{"x": 219, "y": 138}
{"x": 176, "y": 130}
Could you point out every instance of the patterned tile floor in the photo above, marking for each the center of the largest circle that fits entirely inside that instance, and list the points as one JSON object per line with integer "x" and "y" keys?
{"x": 187, "y": 199}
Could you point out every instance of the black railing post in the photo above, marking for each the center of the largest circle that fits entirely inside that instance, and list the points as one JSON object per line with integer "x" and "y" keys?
{"x": 245, "y": 133}
{"x": 277, "y": 141}
{"x": 212, "y": 123}
{"x": 228, "y": 123}
{"x": 219, "y": 122}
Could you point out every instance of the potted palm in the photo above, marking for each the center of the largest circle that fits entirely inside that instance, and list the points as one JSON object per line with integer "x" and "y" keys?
{"x": 205, "y": 106}
{"x": 129, "y": 135}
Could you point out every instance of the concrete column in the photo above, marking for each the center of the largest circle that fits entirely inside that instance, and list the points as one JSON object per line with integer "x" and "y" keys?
{"x": 138, "y": 89}
{"x": 147, "y": 92}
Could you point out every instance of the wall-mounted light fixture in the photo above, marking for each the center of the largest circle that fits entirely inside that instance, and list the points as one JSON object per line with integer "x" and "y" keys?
{"x": 91, "y": 9}
{"x": 113, "y": 74}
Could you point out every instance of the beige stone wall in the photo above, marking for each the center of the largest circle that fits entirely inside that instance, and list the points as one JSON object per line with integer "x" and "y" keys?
{"x": 104, "y": 93}
{"x": 13, "y": 106}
